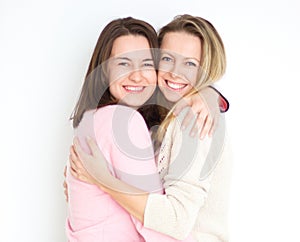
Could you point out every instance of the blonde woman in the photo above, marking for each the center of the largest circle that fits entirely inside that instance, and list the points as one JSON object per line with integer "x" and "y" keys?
{"x": 195, "y": 173}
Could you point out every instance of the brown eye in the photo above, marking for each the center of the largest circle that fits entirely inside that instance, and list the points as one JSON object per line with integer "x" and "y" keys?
{"x": 123, "y": 64}
{"x": 148, "y": 64}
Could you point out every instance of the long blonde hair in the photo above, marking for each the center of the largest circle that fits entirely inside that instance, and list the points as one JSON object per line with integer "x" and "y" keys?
{"x": 212, "y": 61}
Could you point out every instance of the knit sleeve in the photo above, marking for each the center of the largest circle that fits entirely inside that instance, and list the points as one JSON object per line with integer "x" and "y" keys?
{"x": 223, "y": 101}
{"x": 186, "y": 183}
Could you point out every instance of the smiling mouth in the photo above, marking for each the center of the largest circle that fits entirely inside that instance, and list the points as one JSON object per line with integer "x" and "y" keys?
{"x": 175, "y": 86}
{"x": 134, "y": 89}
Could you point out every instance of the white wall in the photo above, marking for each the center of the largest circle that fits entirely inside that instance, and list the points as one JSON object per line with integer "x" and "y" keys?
{"x": 45, "y": 48}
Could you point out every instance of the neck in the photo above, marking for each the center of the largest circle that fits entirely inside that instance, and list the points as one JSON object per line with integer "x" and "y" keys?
{"x": 162, "y": 101}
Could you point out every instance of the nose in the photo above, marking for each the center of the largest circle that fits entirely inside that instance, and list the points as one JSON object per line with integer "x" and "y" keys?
{"x": 174, "y": 74}
{"x": 176, "y": 71}
{"x": 136, "y": 76}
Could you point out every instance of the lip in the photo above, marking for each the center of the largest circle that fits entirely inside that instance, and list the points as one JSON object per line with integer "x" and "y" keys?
{"x": 174, "y": 86}
{"x": 134, "y": 89}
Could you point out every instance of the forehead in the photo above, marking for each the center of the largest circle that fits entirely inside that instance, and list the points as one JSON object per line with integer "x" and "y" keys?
{"x": 130, "y": 44}
{"x": 183, "y": 44}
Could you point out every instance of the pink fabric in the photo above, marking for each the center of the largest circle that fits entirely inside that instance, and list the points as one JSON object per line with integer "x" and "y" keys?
{"x": 92, "y": 214}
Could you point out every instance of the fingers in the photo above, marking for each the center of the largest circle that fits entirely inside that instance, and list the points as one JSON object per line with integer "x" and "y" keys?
{"x": 208, "y": 113}
{"x": 65, "y": 171}
{"x": 77, "y": 148}
{"x": 86, "y": 167}
{"x": 81, "y": 154}
{"x": 212, "y": 129}
{"x": 200, "y": 123}
{"x": 215, "y": 123}
{"x": 66, "y": 190}
{"x": 75, "y": 162}
{"x": 188, "y": 119}
{"x": 204, "y": 124}
{"x": 73, "y": 157}
{"x": 65, "y": 185}
{"x": 184, "y": 102}
{"x": 93, "y": 146}
{"x": 74, "y": 172}
{"x": 75, "y": 167}
{"x": 206, "y": 127}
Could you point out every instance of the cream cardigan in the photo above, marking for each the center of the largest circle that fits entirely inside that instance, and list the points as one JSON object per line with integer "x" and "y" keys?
{"x": 196, "y": 175}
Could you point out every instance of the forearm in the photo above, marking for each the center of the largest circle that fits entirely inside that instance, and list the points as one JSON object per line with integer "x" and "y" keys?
{"x": 172, "y": 215}
{"x": 132, "y": 199}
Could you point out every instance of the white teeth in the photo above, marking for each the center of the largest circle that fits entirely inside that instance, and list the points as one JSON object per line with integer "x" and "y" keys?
{"x": 175, "y": 85}
{"x": 133, "y": 88}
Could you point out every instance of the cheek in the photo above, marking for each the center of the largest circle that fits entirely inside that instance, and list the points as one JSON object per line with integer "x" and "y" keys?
{"x": 115, "y": 89}
{"x": 151, "y": 77}
{"x": 116, "y": 72}
{"x": 112, "y": 90}
{"x": 193, "y": 82}
{"x": 159, "y": 74}
{"x": 160, "y": 79}
{"x": 192, "y": 76}
{"x": 189, "y": 87}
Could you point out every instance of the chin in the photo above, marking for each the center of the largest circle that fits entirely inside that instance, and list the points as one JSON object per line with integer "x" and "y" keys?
{"x": 171, "y": 96}
{"x": 173, "y": 99}
{"x": 133, "y": 104}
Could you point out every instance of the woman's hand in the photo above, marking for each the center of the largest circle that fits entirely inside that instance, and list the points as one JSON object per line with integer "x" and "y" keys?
{"x": 206, "y": 105}
{"x": 65, "y": 185}
{"x": 89, "y": 168}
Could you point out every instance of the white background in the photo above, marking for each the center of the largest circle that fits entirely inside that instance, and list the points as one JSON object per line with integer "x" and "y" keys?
{"x": 45, "y": 48}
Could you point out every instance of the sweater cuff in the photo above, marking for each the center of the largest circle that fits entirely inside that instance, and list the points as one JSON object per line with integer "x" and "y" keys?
{"x": 158, "y": 216}
{"x": 152, "y": 218}
{"x": 223, "y": 102}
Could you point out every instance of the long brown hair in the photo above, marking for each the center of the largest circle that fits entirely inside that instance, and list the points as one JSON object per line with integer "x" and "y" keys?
{"x": 212, "y": 61}
{"x": 95, "y": 92}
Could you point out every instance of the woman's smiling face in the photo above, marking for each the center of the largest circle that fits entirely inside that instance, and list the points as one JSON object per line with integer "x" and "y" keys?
{"x": 132, "y": 74}
{"x": 179, "y": 64}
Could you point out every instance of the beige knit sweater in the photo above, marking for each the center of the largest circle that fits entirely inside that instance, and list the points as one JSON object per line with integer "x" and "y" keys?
{"x": 196, "y": 175}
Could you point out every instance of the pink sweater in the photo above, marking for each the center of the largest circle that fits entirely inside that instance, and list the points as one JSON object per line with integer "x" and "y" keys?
{"x": 93, "y": 215}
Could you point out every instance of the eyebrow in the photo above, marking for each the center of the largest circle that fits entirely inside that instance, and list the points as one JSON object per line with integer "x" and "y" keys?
{"x": 192, "y": 58}
{"x": 123, "y": 58}
{"x": 173, "y": 56}
{"x": 128, "y": 59}
{"x": 148, "y": 59}
{"x": 167, "y": 53}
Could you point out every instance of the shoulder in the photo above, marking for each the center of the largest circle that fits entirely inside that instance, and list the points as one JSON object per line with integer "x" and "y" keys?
{"x": 193, "y": 153}
{"x": 123, "y": 124}
{"x": 118, "y": 114}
